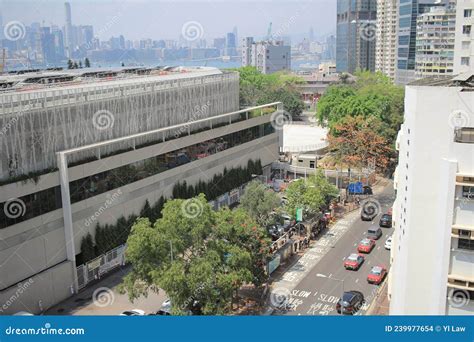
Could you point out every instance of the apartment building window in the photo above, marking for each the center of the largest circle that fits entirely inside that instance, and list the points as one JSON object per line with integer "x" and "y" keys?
{"x": 465, "y": 61}
{"x": 466, "y": 45}
{"x": 466, "y": 29}
{"x": 466, "y": 244}
{"x": 464, "y": 135}
{"x": 464, "y": 233}
{"x": 468, "y": 192}
{"x": 467, "y": 13}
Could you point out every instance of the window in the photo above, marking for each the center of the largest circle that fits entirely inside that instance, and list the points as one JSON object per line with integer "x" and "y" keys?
{"x": 312, "y": 165}
{"x": 466, "y": 45}
{"x": 465, "y": 233}
{"x": 466, "y": 29}
{"x": 468, "y": 192}
{"x": 464, "y": 135}
{"x": 467, "y": 13}
{"x": 466, "y": 244}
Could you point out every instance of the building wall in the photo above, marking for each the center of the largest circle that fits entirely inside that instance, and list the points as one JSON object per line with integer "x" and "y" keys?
{"x": 464, "y": 49}
{"x": 33, "y": 248}
{"x": 355, "y": 43}
{"x": 429, "y": 161}
{"x": 386, "y": 39}
{"x": 41, "y": 123}
{"x": 435, "y": 42}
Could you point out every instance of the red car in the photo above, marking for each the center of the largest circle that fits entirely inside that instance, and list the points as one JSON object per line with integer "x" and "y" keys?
{"x": 353, "y": 262}
{"x": 376, "y": 275}
{"x": 366, "y": 246}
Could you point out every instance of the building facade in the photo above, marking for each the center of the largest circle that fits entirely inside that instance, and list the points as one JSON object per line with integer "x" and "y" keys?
{"x": 464, "y": 48}
{"x": 267, "y": 56}
{"x": 408, "y": 12}
{"x": 435, "y": 42}
{"x": 386, "y": 40}
{"x": 108, "y": 140}
{"x": 356, "y": 35}
{"x": 433, "y": 244}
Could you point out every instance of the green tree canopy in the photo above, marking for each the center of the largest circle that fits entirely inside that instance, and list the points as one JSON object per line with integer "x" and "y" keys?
{"x": 310, "y": 195}
{"x": 258, "y": 201}
{"x": 196, "y": 255}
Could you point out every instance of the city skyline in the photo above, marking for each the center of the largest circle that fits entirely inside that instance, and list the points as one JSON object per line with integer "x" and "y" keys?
{"x": 109, "y": 18}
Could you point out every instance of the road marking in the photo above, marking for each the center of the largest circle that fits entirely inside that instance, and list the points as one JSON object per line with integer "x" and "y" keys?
{"x": 368, "y": 262}
{"x": 378, "y": 248}
{"x": 355, "y": 244}
{"x": 344, "y": 258}
{"x": 357, "y": 280}
{"x": 330, "y": 275}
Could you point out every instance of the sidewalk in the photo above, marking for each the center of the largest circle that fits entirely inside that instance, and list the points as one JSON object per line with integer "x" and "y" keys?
{"x": 112, "y": 303}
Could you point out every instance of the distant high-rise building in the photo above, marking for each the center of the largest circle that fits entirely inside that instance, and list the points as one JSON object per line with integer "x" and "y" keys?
{"x": 311, "y": 34}
{"x": 235, "y": 31}
{"x": 68, "y": 30}
{"x": 330, "y": 49}
{"x": 464, "y": 45}
{"x": 356, "y": 35}
{"x": 435, "y": 42}
{"x": 386, "y": 38}
{"x": 406, "y": 45}
{"x": 267, "y": 56}
{"x": 230, "y": 44}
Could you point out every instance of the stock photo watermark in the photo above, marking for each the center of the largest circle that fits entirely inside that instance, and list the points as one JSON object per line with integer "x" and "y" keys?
{"x": 107, "y": 204}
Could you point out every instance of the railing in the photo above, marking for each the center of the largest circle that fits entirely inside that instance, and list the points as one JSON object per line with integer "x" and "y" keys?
{"x": 97, "y": 267}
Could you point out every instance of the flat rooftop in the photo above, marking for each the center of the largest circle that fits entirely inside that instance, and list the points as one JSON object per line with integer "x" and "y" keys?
{"x": 54, "y": 79}
{"x": 463, "y": 80}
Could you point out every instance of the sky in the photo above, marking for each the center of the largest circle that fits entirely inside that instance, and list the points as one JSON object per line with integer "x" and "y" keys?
{"x": 137, "y": 19}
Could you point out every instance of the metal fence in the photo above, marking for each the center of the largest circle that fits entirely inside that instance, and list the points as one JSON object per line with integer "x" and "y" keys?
{"x": 97, "y": 267}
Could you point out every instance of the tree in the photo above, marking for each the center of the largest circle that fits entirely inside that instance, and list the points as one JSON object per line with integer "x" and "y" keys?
{"x": 355, "y": 143}
{"x": 87, "y": 63}
{"x": 259, "y": 202}
{"x": 75, "y": 65}
{"x": 198, "y": 257}
{"x": 87, "y": 248}
{"x": 80, "y": 64}
{"x": 70, "y": 64}
{"x": 311, "y": 195}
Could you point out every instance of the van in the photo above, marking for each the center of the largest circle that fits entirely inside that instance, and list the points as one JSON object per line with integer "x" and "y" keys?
{"x": 374, "y": 233}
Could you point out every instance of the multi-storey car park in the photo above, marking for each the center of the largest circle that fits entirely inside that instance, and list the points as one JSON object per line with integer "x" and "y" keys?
{"x": 71, "y": 140}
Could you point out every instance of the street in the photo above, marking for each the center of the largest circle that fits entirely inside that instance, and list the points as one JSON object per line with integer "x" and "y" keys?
{"x": 320, "y": 288}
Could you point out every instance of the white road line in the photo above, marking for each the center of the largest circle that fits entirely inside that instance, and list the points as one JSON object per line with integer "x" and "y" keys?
{"x": 344, "y": 258}
{"x": 378, "y": 248}
{"x": 330, "y": 275}
{"x": 355, "y": 244}
{"x": 357, "y": 280}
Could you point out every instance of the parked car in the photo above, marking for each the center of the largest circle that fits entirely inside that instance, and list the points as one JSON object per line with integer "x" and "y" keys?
{"x": 353, "y": 262}
{"x": 134, "y": 312}
{"x": 368, "y": 190}
{"x": 386, "y": 221}
{"x": 377, "y": 275}
{"x": 388, "y": 243}
{"x": 275, "y": 231}
{"x": 366, "y": 246}
{"x": 23, "y": 313}
{"x": 374, "y": 233}
{"x": 350, "y": 302}
{"x": 165, "y": 309}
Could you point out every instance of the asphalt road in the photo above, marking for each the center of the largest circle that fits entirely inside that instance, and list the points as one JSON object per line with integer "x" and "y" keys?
{"x": 315, "y": 295}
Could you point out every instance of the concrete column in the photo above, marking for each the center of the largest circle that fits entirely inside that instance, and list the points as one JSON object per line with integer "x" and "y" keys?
{"x": 67, "y": 215}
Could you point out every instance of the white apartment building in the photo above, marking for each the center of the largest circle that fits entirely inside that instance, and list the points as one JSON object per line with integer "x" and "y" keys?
{"x": 267, "y": 56}
{"x": 386, "y": 41}
{"x": 433, "y": 215}
{"x": 435, "y": 42}
{"x": 464, "y": 48}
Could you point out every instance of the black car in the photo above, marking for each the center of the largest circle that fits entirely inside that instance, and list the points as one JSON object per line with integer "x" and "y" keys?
{"x": 368, "y": 190}
{"x": 350, "y": 303}
{"x": 275, "y": 231}
{"x": 386, "y": 221}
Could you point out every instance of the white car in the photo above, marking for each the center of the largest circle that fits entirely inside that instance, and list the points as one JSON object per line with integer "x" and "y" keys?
{"x": 134, "y": 312}
{"x": 388, "y": 243}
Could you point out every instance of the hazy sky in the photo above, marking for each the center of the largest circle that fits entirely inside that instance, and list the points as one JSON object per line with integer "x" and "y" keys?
{"x": 137, "y": 19}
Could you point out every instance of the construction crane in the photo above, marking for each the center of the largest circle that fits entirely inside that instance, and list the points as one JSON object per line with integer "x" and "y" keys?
{"x": 269, "y": 32}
